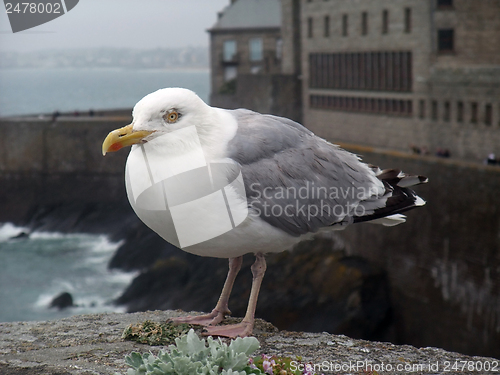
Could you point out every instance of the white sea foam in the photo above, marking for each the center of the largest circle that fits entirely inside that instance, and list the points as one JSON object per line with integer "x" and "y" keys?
{"x": 100, "y": 249}
{"x": 122, "y": 277}
{"x": 9, "y": 230}
{"x": 42, "y": 235}
{"x": 102, "y": 244}
{"x": 49, "y": 263}
{"x": 49, "y": 235}
{"x": 97, "y": 243}
{"x": 82, "y": 305}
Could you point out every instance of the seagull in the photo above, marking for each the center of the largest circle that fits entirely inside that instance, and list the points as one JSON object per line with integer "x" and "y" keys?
{"x": 225, "y": 183}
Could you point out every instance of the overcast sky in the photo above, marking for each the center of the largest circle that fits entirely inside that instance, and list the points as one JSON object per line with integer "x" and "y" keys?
{"x": 119, "y": 23}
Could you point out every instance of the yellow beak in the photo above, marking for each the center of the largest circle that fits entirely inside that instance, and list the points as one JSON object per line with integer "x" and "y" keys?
{"x": 123, "y": 137}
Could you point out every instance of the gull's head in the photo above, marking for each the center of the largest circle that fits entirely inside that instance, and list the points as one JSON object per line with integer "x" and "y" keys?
{"x": 156, "y": 114}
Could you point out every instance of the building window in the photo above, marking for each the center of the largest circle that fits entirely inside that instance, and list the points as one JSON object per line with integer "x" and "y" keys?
{"x": 488, "y": 114}
{"x": 309, "y": 27}
{"x": 256, "y": 49}
{"x": 447, "y": 110}
{"x": 444, "y": 4}
{"x": 256, "y": 69}
{"x": 326, "y": 26}
{"x": 279, "y": 48}
{"x": 421, "y": 109}
{"x": 229, "y": 50}
{"x": 434, "y": 110}
{"x": 364, "y": 23}
{"x": 345, "y": 25}
{"x": 383, "y": 71}
{"x": 393, "y": 107}
{"x": 407, "y": 20}
{"x": 385, "y": 21}
{"x": 446, "y": 40}
{"x": 473, "y": 112}
{"x": 230, "y": 73}
{"x": 460, "y": 112}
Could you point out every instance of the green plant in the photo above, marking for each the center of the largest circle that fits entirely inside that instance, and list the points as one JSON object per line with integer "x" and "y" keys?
{"x": 191, "y": 355}
{"x": 152, "y": 333}
{"x": 274, "y": 365}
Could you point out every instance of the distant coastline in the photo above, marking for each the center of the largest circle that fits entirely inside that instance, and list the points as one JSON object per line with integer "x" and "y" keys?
{"x": 159, "y": 58}
{"x": 125, "y": 68}
{"x": 202, "y": 69}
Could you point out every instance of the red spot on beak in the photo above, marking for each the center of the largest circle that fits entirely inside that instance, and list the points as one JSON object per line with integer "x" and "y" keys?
{"x": 115, "y": 147}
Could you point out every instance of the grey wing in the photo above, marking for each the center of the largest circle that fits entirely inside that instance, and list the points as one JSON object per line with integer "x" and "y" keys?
{"x": 297, "y": 181}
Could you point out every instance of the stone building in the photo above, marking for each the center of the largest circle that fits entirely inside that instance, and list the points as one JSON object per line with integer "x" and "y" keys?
{"x": 383, "y": 73}
{"x": 395, "y": 73}
{"x": 246, "y": 51}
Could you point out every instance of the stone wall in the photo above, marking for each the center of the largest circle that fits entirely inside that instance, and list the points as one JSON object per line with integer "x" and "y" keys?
{"x": 396, "y": 39}
{"x": 48, "y": 163}
{"x": 92, "y": 344}
{"x": 277, "y": 94}
{"x": 442, "y": 82}
{"x": 477, "y": 26}
{"x": 67, "y": 145}
{"x": 290, "y": 32}
{"x": 467, "y": 141}
{"x": 443, "y": 263}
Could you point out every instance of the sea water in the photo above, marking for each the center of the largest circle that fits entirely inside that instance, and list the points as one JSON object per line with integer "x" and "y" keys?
{"x": 35, "y": 269}
{"x": 37, "y": 91}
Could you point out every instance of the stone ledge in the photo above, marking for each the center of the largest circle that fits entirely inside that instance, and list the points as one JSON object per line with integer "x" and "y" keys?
{"x": 92, "y": 344}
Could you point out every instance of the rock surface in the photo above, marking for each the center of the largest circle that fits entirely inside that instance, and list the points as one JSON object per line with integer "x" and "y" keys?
{"x": 92, "y": 344}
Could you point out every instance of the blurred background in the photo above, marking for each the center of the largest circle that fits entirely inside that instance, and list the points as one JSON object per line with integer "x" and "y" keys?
{"x": 407, "y": 84}
{"x": 85, "y": 68}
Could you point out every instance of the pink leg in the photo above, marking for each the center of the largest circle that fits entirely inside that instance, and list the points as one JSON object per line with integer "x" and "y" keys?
{"x": 221, "y": 309}
{"x": 244, "y": 328}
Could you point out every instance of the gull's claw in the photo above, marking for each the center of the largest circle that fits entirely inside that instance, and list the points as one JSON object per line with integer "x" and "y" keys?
{"x": 242, "y": 329}
{"x": 215, "y": 317}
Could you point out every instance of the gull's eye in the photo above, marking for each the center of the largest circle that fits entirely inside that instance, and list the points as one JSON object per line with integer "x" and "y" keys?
{"x": 171, "y": 116}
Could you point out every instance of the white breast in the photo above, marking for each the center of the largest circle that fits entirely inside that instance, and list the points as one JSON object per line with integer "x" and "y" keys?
{"x": 185, "y": 190}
